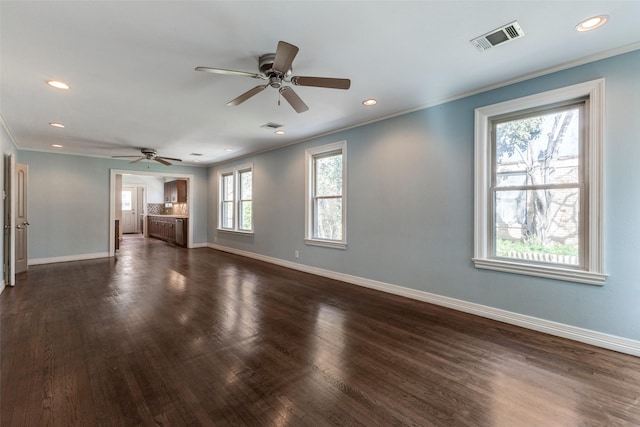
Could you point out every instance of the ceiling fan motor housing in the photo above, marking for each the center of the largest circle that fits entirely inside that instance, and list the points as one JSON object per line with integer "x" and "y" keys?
{"x": 149, "y": 152}
{"x": 266, "y": 66}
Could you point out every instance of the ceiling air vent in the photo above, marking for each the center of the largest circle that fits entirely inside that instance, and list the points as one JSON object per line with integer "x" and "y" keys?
{"x": 271, "y": 125}
{"x": 498, "y": 36}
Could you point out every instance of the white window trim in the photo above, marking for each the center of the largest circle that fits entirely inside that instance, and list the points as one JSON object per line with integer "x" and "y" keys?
{"x": 593, "y": 274}
{"x": 236, "y": 198}
{"x": 308, "y": 211}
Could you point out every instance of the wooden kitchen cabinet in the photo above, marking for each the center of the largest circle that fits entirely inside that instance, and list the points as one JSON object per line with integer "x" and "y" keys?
{"x": 163, "y": 228}
{"x": 175, "y": 191}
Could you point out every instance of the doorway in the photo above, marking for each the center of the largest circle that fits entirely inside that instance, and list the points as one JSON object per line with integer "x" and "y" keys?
{"x": 130, "y": 210}
{"x": 16, "y": 220}
{"x": 126, "y": 178}
{"x": 22, "y": 218}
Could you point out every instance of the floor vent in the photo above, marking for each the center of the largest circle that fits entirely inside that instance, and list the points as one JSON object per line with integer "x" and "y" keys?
{"x": 498, "y": 36}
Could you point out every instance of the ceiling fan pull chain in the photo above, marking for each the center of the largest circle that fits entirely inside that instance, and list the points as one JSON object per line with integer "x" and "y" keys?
{"x": 278, "y": 98}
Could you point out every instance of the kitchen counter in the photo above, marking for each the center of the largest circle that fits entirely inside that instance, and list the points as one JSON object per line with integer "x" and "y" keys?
{"x": 170, "y": 216}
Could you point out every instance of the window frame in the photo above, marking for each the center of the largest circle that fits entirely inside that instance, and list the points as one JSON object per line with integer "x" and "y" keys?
{"x": 591, "y": 162}
{"x": 311, "y": 155}
{"x": 235, "y": 173}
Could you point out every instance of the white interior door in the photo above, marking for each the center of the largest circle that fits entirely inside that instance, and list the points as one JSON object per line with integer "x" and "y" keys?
{"x": 129, "y": 209}
{"x": 22, "y": 218}
{"x": 9, "y": 167}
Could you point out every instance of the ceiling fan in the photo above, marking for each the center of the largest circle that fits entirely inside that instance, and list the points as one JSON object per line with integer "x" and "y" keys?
{"x": 151, "y": 154}
{"x": 275, "y": 68}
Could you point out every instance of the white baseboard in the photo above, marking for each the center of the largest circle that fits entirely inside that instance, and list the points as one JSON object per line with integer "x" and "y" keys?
{"x": 81, "y": 257}
{"x": 199, "y": 245}
{"x": 598, "y": 339}
{"x": 1, "y": 286}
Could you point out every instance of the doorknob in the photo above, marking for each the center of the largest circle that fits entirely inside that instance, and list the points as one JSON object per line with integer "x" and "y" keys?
{"x": 19, "y": 227}
{"x": 26, "y": 223}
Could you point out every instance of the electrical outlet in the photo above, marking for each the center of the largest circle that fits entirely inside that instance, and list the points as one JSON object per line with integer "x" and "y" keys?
{"x": 296, "y": 254}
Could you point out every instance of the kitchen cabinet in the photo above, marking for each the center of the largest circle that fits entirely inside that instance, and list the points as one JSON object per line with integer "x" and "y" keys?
{"x": 169, "y": 229}
{"x": 163, "y": 228}
{"x": 175, "y": 191}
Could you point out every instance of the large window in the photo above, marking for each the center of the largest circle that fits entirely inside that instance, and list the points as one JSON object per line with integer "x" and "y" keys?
{"x": 326, "y": 195}
{"x": 235, "y": 199}
{"x": 538, "y": 189}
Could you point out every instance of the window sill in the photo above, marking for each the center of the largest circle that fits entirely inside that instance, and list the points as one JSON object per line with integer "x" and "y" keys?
{"x": 325, "y": 243}
{"x": 546, "y": 271}
{"x": 242, "y": 233}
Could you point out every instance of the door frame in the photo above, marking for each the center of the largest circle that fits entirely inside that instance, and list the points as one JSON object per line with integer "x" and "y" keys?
{"x": 112, "y": 201}
{"x": 10, "y": 213}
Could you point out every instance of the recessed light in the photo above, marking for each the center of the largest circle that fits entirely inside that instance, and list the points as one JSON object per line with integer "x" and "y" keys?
{"x": 369, "y": 102}
{"x": 592, "y": 23}
{"x": 58, "y": 84}
{"x": 56, "y": 145}
{"x": 228, "y": 150}
{"x": 56, "y": 125}
{"x": 196, "y": 161}
{"x": 280, "y": 132}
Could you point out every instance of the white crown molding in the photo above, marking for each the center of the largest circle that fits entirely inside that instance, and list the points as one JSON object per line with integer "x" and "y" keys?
{"x": 598, "y": 339}
{"x": 5, "y": 126}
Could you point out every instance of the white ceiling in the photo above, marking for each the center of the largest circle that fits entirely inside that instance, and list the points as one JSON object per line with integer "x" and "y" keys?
{"x": 131, "y": 65}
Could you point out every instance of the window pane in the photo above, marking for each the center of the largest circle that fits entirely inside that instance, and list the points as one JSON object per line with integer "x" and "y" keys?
{"x": 227, "y": 214}
{"x": 545, "y": 147}
{"x": 328, "y": 175}
{"x": 245, "y": 185}
{"x": 538, "y": 225}
{"x": 328, "y": 219}
{"x": 126, "y": 200}
{"x": 245, "y": 215}
{"x": 227, "y": 187}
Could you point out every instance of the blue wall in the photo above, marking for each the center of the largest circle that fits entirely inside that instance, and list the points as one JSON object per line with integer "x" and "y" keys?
{"x": 69, "y": 202}
{"x": 423, "y": 162}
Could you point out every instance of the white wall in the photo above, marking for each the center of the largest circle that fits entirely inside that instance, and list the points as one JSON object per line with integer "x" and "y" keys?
{"x": 154, "y": 185}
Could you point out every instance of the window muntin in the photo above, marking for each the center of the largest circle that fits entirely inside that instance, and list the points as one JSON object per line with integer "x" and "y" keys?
{"x": 236, "y": 199}
{"x": 325, "y": 219}
{"x": 538, "y": 186}
{"x": 126, "y": 200}
{"x": 502, "y": 189}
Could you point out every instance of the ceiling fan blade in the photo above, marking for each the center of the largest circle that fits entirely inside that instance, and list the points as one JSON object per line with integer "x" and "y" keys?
{"x": 248, "y": 94}
{"x": 137, "y": 160}
{"x": 160, "y": 160}
{"x": 293, "y": 99}
{"x": 284, "y": 57}
{"x": 321, "y": 82}
{"x": 229, "y": 72}
{"x": 169, "y": 158}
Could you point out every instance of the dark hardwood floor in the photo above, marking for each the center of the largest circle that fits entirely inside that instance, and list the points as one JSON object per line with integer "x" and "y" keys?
{"x": 166, "y": 336}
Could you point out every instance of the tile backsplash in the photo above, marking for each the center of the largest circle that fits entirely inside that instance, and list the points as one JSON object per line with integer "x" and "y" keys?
{"x": 160, "y": 209}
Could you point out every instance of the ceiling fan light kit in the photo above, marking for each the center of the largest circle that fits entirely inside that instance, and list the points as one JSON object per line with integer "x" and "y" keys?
{"x": 275, "y": 68}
